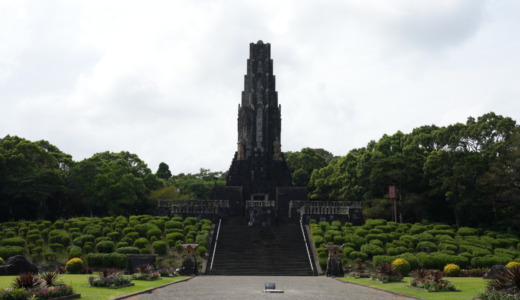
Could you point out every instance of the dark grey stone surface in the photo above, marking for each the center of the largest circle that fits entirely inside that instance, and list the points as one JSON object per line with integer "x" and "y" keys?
{"x": 494, "y": 271}
{"x": 16, "y": 265}
{"x": 251, "y": 287}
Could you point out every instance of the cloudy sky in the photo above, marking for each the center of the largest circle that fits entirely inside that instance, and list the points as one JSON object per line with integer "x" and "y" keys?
{"x": 163, "y": 79}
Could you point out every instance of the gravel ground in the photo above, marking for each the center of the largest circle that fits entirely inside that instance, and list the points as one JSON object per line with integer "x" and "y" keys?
{"x": 251, "y": 287}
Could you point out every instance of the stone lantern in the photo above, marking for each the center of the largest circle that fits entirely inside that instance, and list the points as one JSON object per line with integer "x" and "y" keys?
{"x": 334, "y": 266}
{"x": 190, "y": 266}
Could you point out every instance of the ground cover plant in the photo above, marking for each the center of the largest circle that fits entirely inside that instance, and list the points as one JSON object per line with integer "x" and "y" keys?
{"x": 425, "y": 245}
{"x": 468, "y": 287}
{"x": 103, "y": 242}
{"x": 29, "y": 286}
{"x": 81, "y": 286}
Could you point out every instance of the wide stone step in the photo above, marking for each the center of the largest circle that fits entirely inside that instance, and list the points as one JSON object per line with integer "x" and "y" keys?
{"x": 244, "y": 250}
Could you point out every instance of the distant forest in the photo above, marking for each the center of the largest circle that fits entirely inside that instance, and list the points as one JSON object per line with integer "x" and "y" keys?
{"x": 463, "y": 174}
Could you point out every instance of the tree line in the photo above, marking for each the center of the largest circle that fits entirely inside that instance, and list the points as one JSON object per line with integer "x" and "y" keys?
{"x": 38, "y": 181}
{"x": 466, "y": 174}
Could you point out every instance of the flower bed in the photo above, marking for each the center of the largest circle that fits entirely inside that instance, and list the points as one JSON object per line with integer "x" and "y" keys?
{"x": 110, "y": 278}
{"x": 431, "y": 281}
{"x": 44, "y": 287}
{"x": 145, "y": 272}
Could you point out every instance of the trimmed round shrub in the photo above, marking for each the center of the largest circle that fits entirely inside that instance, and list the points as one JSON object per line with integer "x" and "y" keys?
{"x": 426, "y": 246}
{"x": 93, "y": 230}
{"x": 56, "y": 247}
{"x": 356, "y": 240}
{"x": 134, "y": 235}
{"x": 318, "y": 240}
{"x": 402, "y": 266}
{"x": 465, "y": 231}
{"x": 114, "y": 236}
{"x": 201, "y": 251}
{"x": 127, "y": 230}
{"x": 173, "y": 225}
{"x": 372, "y": 250}
{"x": 143, "y": 228}
{"x": 81, "y": 240}
{"x": 141, "y": 243}
{"x": 88, "y": 249}
{"x": 145, "y": 251}
{"x": 128, "y": 240}
{"x": 74, "y": 251}
{"x": 128, "y": 250}
{"x": 160, "y": 247}
{"x": 358, "y": 255}
{"x": 512, "y": 264}
{"x": 190, "y": 221}
{"x": 121, "y": 245}
{"x": 156, "y": 232}
{"x": 451, "y": 270}
{"x": 58, "y": 236}
{"x": 377, "y": 243}
{"x": 346, "y": 251}
{"x": 102, "y": 238}
{"x": 14, "y": 241}
{"x": 339, "y": 240}
{"x": 74, "y": 266}
{"x": 105, "y": 247}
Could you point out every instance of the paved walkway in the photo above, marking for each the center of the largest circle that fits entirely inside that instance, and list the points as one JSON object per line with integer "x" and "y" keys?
{"x": 251, "y": 287}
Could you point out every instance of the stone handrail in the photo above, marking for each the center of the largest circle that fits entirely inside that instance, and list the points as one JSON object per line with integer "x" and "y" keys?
{"x": 259, "y": 203}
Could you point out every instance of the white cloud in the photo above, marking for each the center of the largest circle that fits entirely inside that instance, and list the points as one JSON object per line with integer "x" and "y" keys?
{"x": 163, "y": 79}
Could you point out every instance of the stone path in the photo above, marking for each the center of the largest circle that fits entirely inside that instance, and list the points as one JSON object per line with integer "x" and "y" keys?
{"x": 251, "y": 287}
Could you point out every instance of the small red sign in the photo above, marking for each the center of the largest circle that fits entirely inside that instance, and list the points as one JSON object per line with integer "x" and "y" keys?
{"x": 391, "y": 192}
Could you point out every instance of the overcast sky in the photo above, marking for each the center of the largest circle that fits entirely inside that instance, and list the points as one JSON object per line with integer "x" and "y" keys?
{"x": 163, "y": 79}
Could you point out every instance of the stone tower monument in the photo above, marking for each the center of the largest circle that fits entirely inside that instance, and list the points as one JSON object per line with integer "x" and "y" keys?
{"x": 258, "y": 171}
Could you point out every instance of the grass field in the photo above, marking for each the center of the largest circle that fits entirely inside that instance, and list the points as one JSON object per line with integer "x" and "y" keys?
{"x": 81, "y": 286}
{"x": 468, "y": 287}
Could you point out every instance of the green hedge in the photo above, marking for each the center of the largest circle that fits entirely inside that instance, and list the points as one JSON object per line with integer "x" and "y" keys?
{"x": 8, "y": 251}
{"x": 107, "y": 260}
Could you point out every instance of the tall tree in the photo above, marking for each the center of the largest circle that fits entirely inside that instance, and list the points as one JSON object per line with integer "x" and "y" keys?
{"x": 164, "y": 171}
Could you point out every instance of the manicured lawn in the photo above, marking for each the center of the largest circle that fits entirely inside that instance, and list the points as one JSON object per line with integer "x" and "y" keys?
{"x": 81, "y": 286}
{"x": 468, "y": 286}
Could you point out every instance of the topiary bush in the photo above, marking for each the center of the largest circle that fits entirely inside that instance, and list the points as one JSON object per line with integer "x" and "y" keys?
{"x": 358, "y": 255}
{"x": 402, "y": 266}
{"x": 318, "y": 240}
{"x": 452, "y": 270}
{"x": 105, "y": 247}
{"x": 74, "y": 266}
{"x": 372, "y": 250}
{"x": 13, "y": 241}
{"x": 154, "y": 232}
{"x": 141, "y": 243}
{"x": 56, "y": 247}
{"x": 160, "y": 247}
{"x": 74, "y": 251}
{"x": 128, "y": 250}
{"x": 512, "y": 264}
{"x": 8, "y": 251}
{"x": 201, "y": 251}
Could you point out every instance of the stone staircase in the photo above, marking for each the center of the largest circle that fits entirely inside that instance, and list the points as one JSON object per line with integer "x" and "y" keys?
{"x": 274, "y": 251}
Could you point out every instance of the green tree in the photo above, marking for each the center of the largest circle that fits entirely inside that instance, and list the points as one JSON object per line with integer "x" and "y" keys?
{"x": 164, "y": 171}
{"x": 33, "y": 177}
